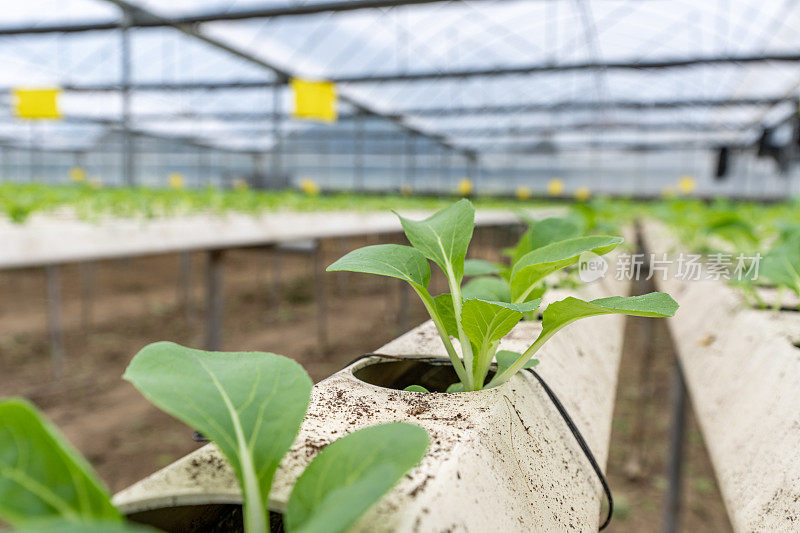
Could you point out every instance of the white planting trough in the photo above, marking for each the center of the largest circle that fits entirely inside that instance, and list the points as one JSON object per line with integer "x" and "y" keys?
{"x": 500, "y": 460}
{"x": 742, "y": 370}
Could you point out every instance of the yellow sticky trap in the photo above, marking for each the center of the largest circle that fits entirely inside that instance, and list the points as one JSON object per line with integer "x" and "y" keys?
{"x": 36, "y": 103}
{"x": 77, "y": 174}
{"x": 687, "y": 184}
{"x": 406, "y": 189}
{"x": 314, "y": 100}
{"x": 465, "y": 187}
{"x": 309, "y": 186}
{"x": 582, "y": 194}
{"x": 555, "y": 187}
{"x": 176, "y": 180}
{"x": 523, "y": 192}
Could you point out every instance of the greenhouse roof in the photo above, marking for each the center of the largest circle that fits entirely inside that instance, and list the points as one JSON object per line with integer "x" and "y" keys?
{"x": 471, "y": 76}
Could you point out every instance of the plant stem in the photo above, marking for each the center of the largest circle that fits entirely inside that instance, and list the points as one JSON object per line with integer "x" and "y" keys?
{"x": 448, "y": 345}
{"x": 466, "y": 347}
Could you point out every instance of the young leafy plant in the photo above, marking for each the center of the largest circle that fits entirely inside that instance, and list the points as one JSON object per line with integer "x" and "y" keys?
{"x": 781, "y": 265}
{"x": 251, "y": 405}
{"x": 45, "y": 485}
{"x": 487, "y": 308}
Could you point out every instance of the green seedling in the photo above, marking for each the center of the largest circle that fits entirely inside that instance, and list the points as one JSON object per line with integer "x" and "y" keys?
{"x": 781, "y": 265}
{"x": 250, "y": 405}
{"x": 481, "y": 313}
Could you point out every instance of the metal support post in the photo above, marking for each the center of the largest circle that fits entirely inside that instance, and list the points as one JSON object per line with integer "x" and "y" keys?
{"x": 277, "y": 146}
{"x": 87, "y": 294}
{"x": 275, "y": 279}
{"x": 185, "y": 285}
{"x": 402, "y": 314}
{"x": 125, "y": 84}
{"x": 214, "y": 300}
{"x": 358, "y": 121}
{"x": 56, "y": 331}
{"x": 319, "y": 296}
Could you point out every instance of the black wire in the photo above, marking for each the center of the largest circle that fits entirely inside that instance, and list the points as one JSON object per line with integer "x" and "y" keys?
{"x": 581, "y": 442}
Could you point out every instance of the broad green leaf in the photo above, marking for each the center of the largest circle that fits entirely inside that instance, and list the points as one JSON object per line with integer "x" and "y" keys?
{"x": 455, "y": 387}
{"x": 505, "y": 358}
{"x": 394, "y": 260}
{"x": 543, "y": 232}
{"x": 782, "y": 264}
{"x": 416, "y": 388}
{"x": 536, "y": 265}
{"x": 552, "y": 230}
{"x": 559, "y": 314}
{"x": 249, "y": 404}
{"x": 351, "y": 474}
{"x": 487, "y": 288}
{"x": 62, "y": 526}
{"x": 479, "y": 267}
{"x": 564, "y": 312}
{"x": 486, "y": 321}
{"x": 444, "y": 308}
{"x": 41, "y": 475}
{"x": 444, "y": 237}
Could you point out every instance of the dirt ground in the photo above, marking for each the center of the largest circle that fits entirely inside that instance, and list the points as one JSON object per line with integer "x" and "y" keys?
{"x": 134, "y": 302}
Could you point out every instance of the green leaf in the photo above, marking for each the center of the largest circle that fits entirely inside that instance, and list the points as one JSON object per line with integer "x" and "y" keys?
{"x": 249, "y": 404}
{"x": 416, "y": 388}
{"x": 444, "y": 237}
{"x": 505, "y": 358}
{"x": 782, "y": 264}
{"x": 486, "y": 321}
{"x": 41, "y": 475}
{"x": 455, "y": 387}
{"x": 566, "y": 311}
{"x": 444, "y": 308}
{"x": 61, "y": 526}
{"x": 394, "y": 260}
{"x": 559, "y": 314}
{"x": 479, "y": 267}
{"x": 536, "y": 265}
{"x": 543, "y": 232}
{"x": 351, "y": 474}
{"x": 487, "y": 288}
{"x": 552, "y": 230}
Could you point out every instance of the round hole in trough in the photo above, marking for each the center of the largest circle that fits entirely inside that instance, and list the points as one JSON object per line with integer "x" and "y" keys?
{"x": 208, "y": 518}
{"x": 433, "y": 374}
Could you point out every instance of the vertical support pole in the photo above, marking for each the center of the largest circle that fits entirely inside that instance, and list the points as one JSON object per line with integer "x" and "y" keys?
{"x": 185, "y": 286}
{"x": 125, "y": 84}
{"x": 674, "y": 472}
{"x": 275, "y": 279}
{"x": 402, "y": 313}
{"x": 34, "y": 160}
{"x": 53, "y": 273}
{"x": 87, "y": 294}
{"x": 472, "y": 166}
{"x": 319, "y": 297}
{"x": 358, "y": 120}
{"x": 214, "y": 300}
{"x": 276, "y": 132}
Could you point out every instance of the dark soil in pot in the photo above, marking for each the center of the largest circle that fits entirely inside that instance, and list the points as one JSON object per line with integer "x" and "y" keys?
{"x": 211, "y": 518}
{"x": 435, "y": 374}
